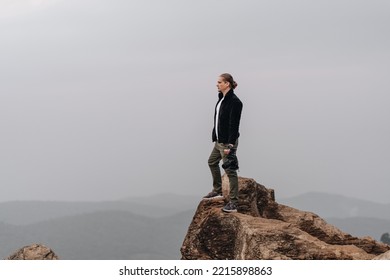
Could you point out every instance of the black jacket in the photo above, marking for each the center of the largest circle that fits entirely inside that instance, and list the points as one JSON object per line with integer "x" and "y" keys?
{"x": 229, "y": 118}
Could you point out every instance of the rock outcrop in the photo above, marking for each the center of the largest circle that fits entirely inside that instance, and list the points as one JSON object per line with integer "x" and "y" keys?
{"x": 264, "y": 229}
{"x": 34, "y": 252}
{"x": 384, "y": 256}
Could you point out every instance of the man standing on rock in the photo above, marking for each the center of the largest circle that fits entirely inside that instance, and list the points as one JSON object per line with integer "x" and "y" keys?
{"x": 225, "y": 134}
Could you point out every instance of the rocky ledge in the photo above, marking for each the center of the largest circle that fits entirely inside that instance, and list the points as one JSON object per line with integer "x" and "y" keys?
{"x": 265, "y": 229}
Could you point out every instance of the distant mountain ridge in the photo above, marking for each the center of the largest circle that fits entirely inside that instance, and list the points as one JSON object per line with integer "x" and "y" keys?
{"x": 150, "y": 227}
{"x": 102, "y": 235}
{"x": 30, "y": 212}
{"x": 360, "y": 226}
{"x": 132, "y": 228}
{"x": 338, "y": 206}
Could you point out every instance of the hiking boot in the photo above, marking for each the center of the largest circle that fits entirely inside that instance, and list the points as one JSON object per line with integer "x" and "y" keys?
{"x": 230, "y": 207}
{"x": 213, "y": 195}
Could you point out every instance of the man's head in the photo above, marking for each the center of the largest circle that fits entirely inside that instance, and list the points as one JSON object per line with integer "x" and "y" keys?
{"x": 225, "y": 82}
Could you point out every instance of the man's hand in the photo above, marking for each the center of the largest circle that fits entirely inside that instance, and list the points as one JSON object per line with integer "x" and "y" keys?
{"x": 227, "y": 151}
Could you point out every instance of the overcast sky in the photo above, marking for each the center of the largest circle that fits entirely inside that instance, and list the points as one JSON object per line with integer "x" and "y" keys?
{"x": 104, "y": 99}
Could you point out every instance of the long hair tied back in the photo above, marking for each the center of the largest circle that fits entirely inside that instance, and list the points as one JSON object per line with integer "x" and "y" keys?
{"x": 229, "y": 78}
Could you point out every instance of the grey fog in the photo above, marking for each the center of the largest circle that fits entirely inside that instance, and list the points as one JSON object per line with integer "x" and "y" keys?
{"x": 103, "y": 100}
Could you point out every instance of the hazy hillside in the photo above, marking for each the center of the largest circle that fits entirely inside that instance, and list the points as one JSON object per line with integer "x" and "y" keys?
{"x": 102, "y": 235}
{"x": 133, "y": 228}
{"x": 362, "y": 226}
{"x": 29, "y": 212}
{"x": 151, "y": 227}
{"x": 330, "y": 205}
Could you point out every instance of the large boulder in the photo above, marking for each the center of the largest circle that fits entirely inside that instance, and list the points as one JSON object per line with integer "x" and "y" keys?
{"x": 34, "y": 252}
{"x": 264, "y": 229}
